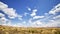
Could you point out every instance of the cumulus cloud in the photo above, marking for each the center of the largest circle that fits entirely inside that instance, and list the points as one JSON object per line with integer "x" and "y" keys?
{"x": 20, "y": 24}
{"x": 37, "y": 17}
{"x": 33, "y": 12}
{"x": 10, "y": 12}
{"x": 48, "y": 20}
{"x": 3, "y": 6}
{"x": 3, "y": 19}
{"x": 54, "y": 23}
{"x": 29, "y": 8}
{"x": 51, "y": 23}
{"x": 37, "y": 23}
{"x": 56, "y": 17}
{"x": 55, "y": 9}
{"x": 1, "y": 15}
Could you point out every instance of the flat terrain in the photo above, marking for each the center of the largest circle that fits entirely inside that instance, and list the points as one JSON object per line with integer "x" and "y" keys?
{"x": 29, "y": 30}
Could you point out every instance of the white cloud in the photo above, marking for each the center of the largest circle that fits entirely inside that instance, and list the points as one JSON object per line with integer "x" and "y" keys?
{"x": 2, "y": 15}
{"x": 33, "y": 12}
{"x": 19, "y": 25}
{"x": 24, "y": 22}
{"x": 29, "y": 8}
{"x": 55, "y": 9}
{"x": 48, "y": 20}
{"x": 8, "y": 11}
{"x": 8, "y": 23}
{"x": 54, "y": 23}
{"x": 30, "y": 20}
{"x": 37, "y": 17}
{"x": 3, "y": 6}
{"x": 5, "y": 9}
{"x": 57, "y": 6}
{"x": 19, "y": 17}
{"x": 51, "y": 23}
{"x": 25, "y": 14}
{"x": 37, "y": 23}
{"x": 3, "y": 19}
{"x": 58, "y": 16}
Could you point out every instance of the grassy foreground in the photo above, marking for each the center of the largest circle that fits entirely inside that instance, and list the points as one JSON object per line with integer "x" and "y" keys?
{"x": 29, "y": 30}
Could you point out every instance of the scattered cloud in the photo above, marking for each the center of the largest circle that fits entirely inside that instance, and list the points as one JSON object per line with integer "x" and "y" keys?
{"x": 3, "y": 6}
{"x": 56, "y": 17}
{"x": 37, "y": 23}
{"x": 3, "y": 20}
{"x": 37, "y": 17}
{"x": 25, "y": 14}
{"x": 1, "y": 15}
{"x": 10, "y": 12}
{"x": 29, "y": 8}
{"x": 54, "y": 23}
{"x": 55, "y": 9}
{"x": 19, "y": 17}
{"x": 33, "y": 12}
{"x": 50, "y": 20}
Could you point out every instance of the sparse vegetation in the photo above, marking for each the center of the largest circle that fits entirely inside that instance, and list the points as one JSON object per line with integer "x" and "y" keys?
{"x": 30, "y": 30}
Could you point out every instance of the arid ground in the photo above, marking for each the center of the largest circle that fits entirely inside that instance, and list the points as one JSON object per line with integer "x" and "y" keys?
{"x": 28, "y": 30}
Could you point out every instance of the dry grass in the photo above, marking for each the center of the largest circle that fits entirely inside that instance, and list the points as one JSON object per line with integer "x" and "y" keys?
{"x": 22, "y": 30}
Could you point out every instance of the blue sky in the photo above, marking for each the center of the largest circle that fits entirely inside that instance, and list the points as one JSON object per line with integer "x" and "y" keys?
{"x": 36, "y": 13}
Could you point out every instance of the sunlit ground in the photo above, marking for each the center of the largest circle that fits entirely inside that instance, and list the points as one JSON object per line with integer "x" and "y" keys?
{"x": 30, "y": 30}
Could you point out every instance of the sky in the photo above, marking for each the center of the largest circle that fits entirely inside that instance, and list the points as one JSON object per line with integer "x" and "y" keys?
{"x": 30, "y": 13}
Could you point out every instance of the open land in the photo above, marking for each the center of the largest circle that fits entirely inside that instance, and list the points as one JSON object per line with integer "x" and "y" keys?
{"x": 29, "y": 30}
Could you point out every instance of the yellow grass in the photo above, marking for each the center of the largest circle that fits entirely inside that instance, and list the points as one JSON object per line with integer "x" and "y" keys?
{"x": 29, "y": 30}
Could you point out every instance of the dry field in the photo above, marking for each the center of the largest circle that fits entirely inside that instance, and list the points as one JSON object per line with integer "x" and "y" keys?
{"x": 29, "y": 30}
